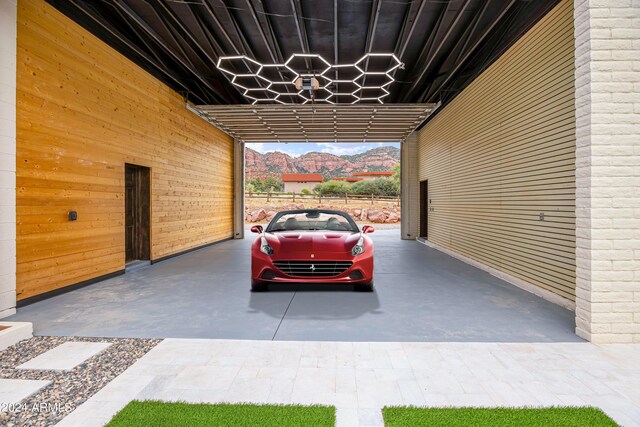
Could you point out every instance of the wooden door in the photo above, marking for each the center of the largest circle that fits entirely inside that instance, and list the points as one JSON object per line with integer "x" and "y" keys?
{"x": 129, "y": 211}
{"x": 137, "y": 212}
{"x": 424, "y": 209}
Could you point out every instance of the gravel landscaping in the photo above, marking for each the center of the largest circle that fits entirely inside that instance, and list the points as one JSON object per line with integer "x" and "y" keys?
{"x": 68, "y": 389}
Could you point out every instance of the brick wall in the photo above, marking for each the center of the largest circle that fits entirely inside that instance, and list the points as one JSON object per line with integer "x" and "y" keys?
{"x": 7, "y": 157}
{"x": 608, "y": 170}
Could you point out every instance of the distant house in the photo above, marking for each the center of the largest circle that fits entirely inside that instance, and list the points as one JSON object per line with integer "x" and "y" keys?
{"x": 296, "y": 182}
{"x": 372, "y": 175}
{"x": 351, "y": 179}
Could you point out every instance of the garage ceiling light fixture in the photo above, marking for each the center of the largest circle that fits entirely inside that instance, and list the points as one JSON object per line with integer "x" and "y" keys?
{"x": 258, "y": 87}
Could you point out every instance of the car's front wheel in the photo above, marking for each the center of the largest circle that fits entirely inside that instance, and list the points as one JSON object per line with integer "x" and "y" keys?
{"x": 258, "y": 286}
{"x": 364, "y": 287}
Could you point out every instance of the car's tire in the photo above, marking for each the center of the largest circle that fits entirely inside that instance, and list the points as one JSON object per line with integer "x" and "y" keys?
{"x": 364, "y": 287}
{"x": 258, "y": 286}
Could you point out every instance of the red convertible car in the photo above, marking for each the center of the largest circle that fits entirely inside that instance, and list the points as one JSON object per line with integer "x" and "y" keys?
{"x": 312, "y": 246}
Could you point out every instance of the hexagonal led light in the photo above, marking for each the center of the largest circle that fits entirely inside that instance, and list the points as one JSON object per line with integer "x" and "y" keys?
{"x": 266, "y": 95}
{"x": 251, "y": 82}
{"x": 328, "y": 93}
{"x": 268, "y": 71}
{"x": 381, "y": 80}
{"x": 240, "y": 59}
{"x": 342, "y": 70}
{"x": 334, "y": 98}
{"x": 391, "y": 56}
{"x": 306, "y": 56}
{"x": 325, "y": 82}
{"x": 365, "y": 93}
{"x": 337, "y": 80}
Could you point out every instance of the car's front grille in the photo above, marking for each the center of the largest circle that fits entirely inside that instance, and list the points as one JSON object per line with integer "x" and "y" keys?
{"x": 313, "y": 268}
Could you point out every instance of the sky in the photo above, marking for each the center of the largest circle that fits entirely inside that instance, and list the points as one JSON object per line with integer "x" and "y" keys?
{"x": 339, "y": 149}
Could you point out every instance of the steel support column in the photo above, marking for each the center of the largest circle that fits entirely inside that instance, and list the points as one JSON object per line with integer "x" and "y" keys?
{"x": 409, "y": 187}
{"x": 238, "y": 189}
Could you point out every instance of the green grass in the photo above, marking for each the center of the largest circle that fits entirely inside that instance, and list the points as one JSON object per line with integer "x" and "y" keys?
{"x": 157, "y": 414}
{"x": 454, "y": 417}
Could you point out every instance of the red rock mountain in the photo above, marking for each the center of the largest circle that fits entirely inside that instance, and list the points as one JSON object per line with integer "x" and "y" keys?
{"x": 331, "y": 166}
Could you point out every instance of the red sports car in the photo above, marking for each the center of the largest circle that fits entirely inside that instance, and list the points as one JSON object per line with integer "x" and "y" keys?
{"x": 312, "y": 246}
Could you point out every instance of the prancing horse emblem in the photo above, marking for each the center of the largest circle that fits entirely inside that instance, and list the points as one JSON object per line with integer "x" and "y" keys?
{"x": 313, "y": 267}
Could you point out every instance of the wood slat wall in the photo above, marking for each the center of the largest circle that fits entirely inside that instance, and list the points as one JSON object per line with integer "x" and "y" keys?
{"x": 83, "y": 111}
{"x": 502, "y": 153}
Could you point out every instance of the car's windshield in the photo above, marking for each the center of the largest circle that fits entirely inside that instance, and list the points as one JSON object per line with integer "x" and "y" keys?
{"x": 312, "y": 220}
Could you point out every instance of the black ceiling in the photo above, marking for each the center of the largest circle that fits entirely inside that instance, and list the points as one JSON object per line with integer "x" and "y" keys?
{"x": 444, "y": 44}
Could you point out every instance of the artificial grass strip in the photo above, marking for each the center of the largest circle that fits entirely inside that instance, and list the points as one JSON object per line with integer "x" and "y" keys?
{"x": 159, "y": 414}
{"x": 521, "y": 417}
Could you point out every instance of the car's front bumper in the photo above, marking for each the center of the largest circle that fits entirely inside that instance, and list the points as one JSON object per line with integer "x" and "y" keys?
{"x": 361, "y": 271}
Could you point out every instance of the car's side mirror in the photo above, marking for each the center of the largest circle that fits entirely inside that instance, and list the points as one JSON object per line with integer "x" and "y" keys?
{"x": 256, "y": 229}
{"x": 368, "y": 229}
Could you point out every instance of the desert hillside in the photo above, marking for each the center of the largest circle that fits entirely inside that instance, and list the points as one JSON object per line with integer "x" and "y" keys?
{"x": 331, "y": 166}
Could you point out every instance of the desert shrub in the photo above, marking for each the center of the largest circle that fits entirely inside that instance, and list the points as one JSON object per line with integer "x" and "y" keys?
{"x": 263, "y": 185}
{"x": 332, "y": 188}
{"x": 377, "y": 187}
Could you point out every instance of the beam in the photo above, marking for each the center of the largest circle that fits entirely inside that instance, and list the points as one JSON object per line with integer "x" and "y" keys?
{"x": 265, "y": 29}
{"x": 335, "y": 41}
{"x": 193, "y": 42}
{"x": 431, "y": 56}
{"x": 371, "y": 32}
{"x": 425, "y": 51}
{"x": 373, "y": 23}
{"x": 270, "y": 42}
{"x": 336, "y": 37}
{"x": 128, "y": 11}
{"x": 143, "y": 39}
{"x": 472, "y": 29}
{"x": 246, "y": 47}
{"x": 219, "y": 25}
{"x": 122, "y": 39}
{"x": 405, "y": 35}
{"x": 169, "y": 29}
{"x": 330, "y": 123}
{"x": 409, "y": 24}
{"x": 484, "y": 35}
{"x": 213, "y": 42}
{"x": 183, "y": 29}
{"x": 302, "y": 29}
{"x": 469, "y": 36}
{"x": 300, "y": 25}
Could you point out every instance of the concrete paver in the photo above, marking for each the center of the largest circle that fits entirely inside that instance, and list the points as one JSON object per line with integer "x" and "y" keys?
{"x": 65, "y": 356}
{"x": 434, "y": 374}
{"x": 12, "y": 391}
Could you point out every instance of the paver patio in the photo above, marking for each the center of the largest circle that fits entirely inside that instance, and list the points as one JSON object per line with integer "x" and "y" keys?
{"x": 360, "y": 378}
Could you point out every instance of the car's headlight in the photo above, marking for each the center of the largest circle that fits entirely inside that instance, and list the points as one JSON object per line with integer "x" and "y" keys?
{"x": 265, "y": 248}
{"x": 358, "y": 248}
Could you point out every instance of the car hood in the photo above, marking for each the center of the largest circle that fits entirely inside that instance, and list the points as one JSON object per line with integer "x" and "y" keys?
{"x": 295, "y": 242}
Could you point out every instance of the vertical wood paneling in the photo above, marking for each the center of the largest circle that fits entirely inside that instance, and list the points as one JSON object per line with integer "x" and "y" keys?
{"x": 502, "y": 153}
{"x": 83, "y": 112}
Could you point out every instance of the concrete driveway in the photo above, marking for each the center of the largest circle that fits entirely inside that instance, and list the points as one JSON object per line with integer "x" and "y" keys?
{"x": 421, "y": 295}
